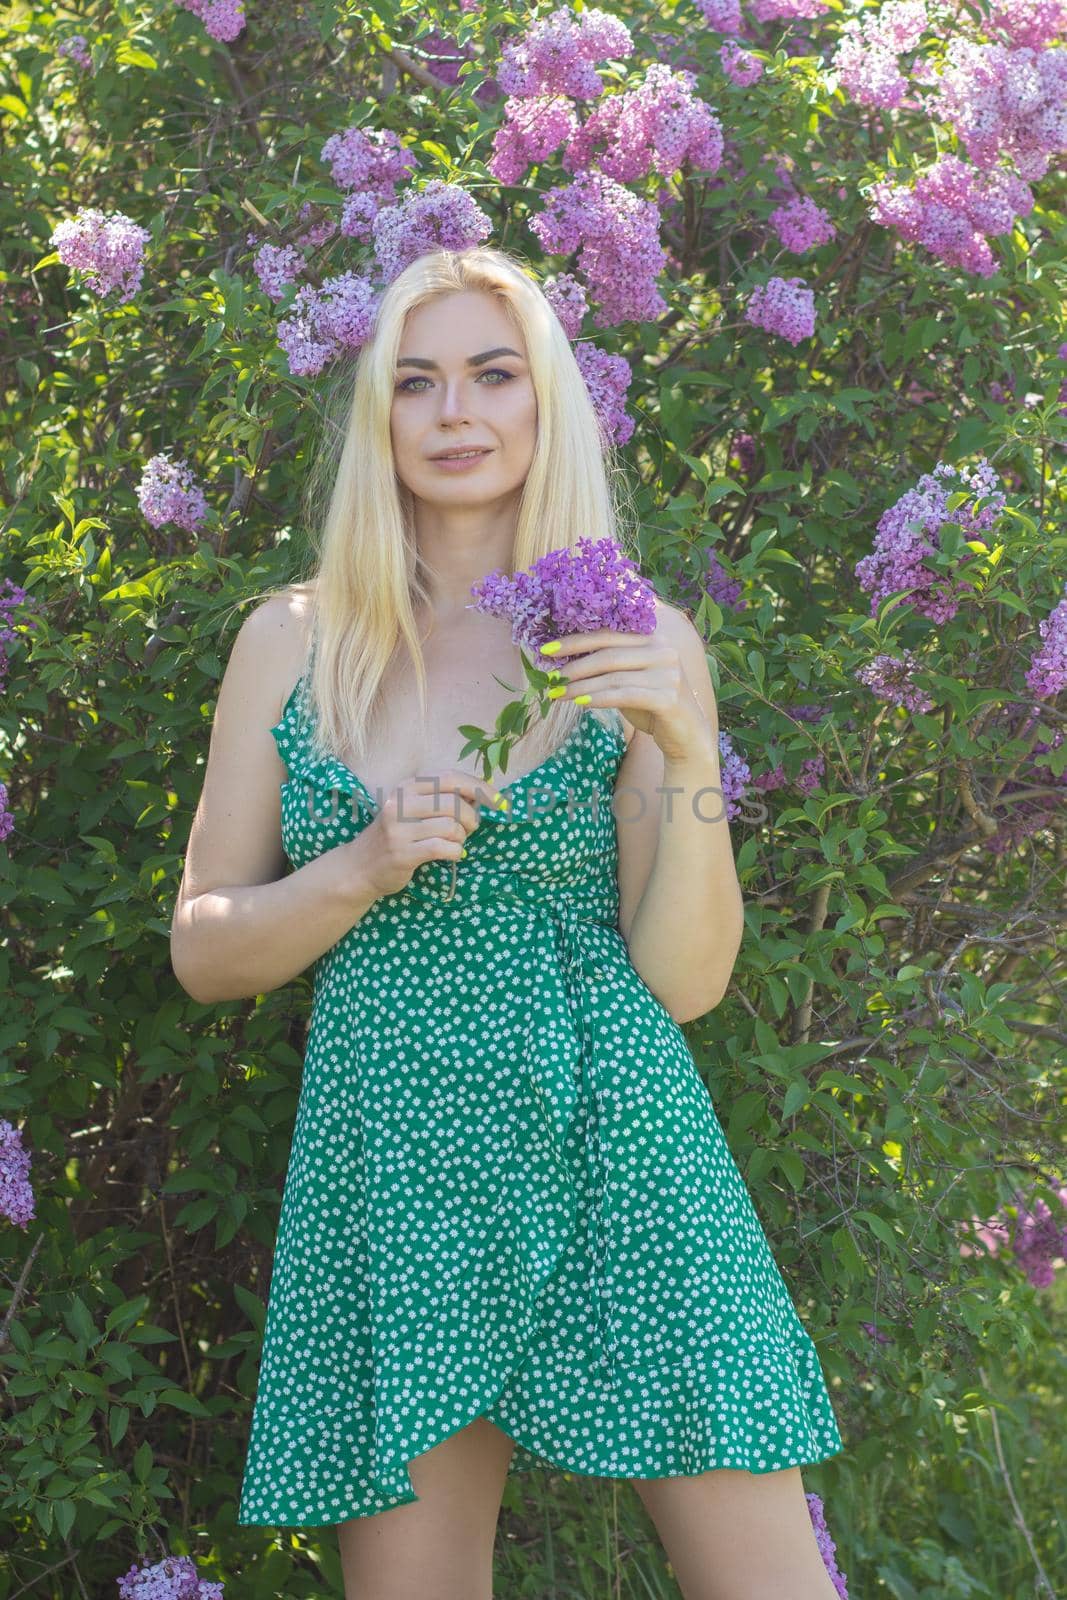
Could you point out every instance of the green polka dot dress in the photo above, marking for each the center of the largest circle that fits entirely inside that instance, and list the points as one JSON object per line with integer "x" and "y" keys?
{"x": 508, "y": 1192}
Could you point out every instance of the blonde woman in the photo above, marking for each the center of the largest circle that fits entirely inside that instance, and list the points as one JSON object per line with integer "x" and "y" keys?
{"x": 512, "y": 1235}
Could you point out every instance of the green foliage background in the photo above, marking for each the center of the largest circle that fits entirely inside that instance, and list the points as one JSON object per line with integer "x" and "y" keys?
{"x": 888, "y": 1062}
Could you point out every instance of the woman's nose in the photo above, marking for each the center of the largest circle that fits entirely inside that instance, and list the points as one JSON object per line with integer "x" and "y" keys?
{"x": 455, "y": 404}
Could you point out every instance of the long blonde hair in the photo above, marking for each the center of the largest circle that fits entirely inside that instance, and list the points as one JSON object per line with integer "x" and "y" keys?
{"x": 368, "y": 576}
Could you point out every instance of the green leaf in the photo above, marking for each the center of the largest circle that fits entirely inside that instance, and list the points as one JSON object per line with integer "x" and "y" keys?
{"x": 118, "y": 1421}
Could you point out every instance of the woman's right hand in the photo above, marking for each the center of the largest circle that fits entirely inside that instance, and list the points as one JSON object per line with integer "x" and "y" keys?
{"x": 422, "y": 819}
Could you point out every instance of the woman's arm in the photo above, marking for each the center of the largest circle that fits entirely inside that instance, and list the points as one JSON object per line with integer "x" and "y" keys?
{"x": 680, "y": 906}
{"x": 241, "y": 928}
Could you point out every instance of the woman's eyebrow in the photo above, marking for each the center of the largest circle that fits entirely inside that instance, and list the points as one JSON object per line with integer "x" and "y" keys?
{"x": 472, "y": 361}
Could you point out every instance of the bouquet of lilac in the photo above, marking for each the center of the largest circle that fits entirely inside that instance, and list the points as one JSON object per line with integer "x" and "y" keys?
{"x": 565, "y": 591}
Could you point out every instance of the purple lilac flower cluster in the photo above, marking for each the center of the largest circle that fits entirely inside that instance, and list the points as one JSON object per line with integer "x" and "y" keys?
{"x": 222, "y": 19}
{"x": 715, "y": 582}
{"x": 890, "y": 679}
{"x": 108, "y": 247}
{"x": 655, "y": 127}
{"x": 736, "y": 775}
{"x": 739, "y": 65}
{"x": 607, "y": 378}
{"x": 366, "y": 164}
{"x": 558, "y": 54}
{"x": 1021, "y": 812}
{"x": 950, "y": 210}
{"x": 866, "y": 56}
{"x": 801, "y": 225}
{"x": 446, "y": 57}
{"x": 568, "y": 299}
{"x": 168, "y": 492}
{"x": 11, "y": 595}
{"x": 1033, "y": 1233}
{"x": 76, "y": 48}
{"x": 569, "y": 591}
{"x": 16, "y": 1194}
{"x": 785, "y": 306}
{"x": 1047, "y": 674}
{"x": 1029, "y": 22}
{"x": 909, "y": 531}
{"x": 1001, "y": 101}
{"x": 173, "y": 1578}
{"x": 826, "y": 1544}
{"x": 336, "y": 315}
{"x": 616, "y": 235}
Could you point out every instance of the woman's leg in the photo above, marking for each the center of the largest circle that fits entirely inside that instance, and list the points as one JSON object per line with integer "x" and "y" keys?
{"x": 442, "y": 1543}
{"x": 734, "y": 1535}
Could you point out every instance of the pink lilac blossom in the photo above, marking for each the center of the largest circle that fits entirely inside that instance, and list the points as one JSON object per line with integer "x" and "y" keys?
{"x": 222, "y": 19}
{"x": 568, "y": 300}
{"x": 276, "y": 266}
{"x": 16, "y": 1193}
{"x": 617, "y": 237}
{"x": 866, "y": 56}
{"x": 323, "y": 322}
{"x": 785, "y": 306}
{"x": 558, "y": 54}
{"x": 173, "y": 1578}
{"x": 442, "y": 216}
{"x": 736, "y": 775}
{"x": 722, "y": 15}
{"x": 809, "y": 713}
{"x": 7, "y": 817}
{"x": 890, "y": 679}
{"x": 607, "y": 379}
{"x": 106, "y": 246}
{"x": 909, "y": 531}
{"x": 951, "y": 208}
{"x": 168, "y": 492}
{"x": 577, "y": 590}
{"x": 801, "y": 225}
{"x": 1029, "y": 22}
{"x": 77, "y": 48}
{"x": 1047, "y": 673}
{"x": 740, "y": 66}
{"x": 1007, "y": 102}
{"x": 825, "y": 1543}
{"x": 532, "y": 131}
{"x": 655, "y": 127}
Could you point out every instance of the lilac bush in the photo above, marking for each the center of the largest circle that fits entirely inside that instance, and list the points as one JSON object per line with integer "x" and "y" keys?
{"x": 808, "y": 258}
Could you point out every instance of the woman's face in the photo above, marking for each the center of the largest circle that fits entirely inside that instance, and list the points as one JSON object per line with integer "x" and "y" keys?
{"x": 462, "y": 382}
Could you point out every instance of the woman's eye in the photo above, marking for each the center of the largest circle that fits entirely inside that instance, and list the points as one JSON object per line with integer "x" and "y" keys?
{"x": 498, "y": 372}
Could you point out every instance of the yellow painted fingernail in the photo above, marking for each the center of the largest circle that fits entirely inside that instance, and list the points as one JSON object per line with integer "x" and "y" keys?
{"x": 554, "y": 694}
{"x": 551, "y": 647}
{"x": 582, "y": 699}
{"x": 462, "y": 854}
{"x": 501, "y": 802}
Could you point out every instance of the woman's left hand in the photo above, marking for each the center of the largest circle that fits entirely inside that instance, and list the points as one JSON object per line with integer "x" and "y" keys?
{"x": 642, "y": 676}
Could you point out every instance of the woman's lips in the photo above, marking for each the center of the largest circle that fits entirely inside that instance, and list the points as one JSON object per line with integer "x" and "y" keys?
{"x": 459, "y": 463}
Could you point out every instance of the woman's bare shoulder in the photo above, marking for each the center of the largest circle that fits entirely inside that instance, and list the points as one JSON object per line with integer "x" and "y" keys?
{"x": 279, "y": 629}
